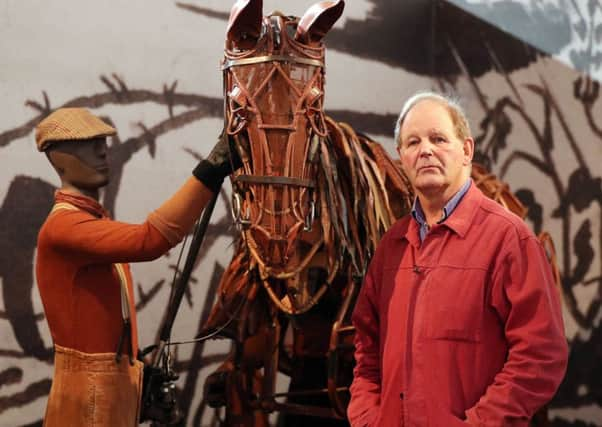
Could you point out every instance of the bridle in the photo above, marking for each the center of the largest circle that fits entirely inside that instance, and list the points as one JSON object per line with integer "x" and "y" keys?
{"x": 271, "y": 193}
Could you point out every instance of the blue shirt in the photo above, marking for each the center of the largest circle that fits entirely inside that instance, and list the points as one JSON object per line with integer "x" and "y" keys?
{"x": 449, "y": 207}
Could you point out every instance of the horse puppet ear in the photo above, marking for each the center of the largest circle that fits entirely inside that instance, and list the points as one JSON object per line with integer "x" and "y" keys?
{"x": 318, "y": 20}
{"x": 244, "y": 25}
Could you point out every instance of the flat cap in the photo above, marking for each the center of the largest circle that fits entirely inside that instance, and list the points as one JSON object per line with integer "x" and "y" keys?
{"x": 70, "y": 124}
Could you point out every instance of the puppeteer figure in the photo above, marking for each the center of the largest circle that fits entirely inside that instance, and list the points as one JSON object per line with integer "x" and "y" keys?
{"x": 83, "y": 276}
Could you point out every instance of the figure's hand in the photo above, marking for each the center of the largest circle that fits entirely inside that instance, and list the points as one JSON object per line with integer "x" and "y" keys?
{"x": 221, "y": 162}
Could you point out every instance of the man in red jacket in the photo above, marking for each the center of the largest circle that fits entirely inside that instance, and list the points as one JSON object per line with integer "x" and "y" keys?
{"x": 83, "y": 276}
{"x": 458, "y": 322}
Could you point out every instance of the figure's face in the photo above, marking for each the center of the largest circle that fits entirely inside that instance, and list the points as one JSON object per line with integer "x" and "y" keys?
{"x": 82, "y": 164}
{"x": 435, "y": 159}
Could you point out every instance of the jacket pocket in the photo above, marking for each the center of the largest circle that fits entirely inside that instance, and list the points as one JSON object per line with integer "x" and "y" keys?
{"x": 454, "y": 304}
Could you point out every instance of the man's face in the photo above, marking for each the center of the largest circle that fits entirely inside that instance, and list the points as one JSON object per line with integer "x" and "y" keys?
{"x": 82, "y": 164}
{"x": 434, "y": 158}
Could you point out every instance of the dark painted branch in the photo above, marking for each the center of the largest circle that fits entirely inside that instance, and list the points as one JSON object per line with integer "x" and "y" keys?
{"x": 206, "y": 106}
{"x": 210, "y": 13}
{"x": 33, "y": 392}
{"x": 372, "y": 123}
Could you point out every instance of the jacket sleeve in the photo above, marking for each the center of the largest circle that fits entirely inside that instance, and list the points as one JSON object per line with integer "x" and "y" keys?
{"x": 526, "y": 299}
{"x": 364, "y": 406}
{"x": 92, "y": 240}
{"x": 104, "y": 240}
{"x": 175, "y": 218}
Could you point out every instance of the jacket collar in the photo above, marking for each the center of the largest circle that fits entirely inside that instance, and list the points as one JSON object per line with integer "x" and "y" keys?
{"x": 464, "y": 213}
{"x": 459, "y": 222}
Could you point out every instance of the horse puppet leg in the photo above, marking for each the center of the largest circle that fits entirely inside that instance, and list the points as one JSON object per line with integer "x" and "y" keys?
{"x": 318, "y": 392}
{"x": 249, "y": 391}
{"x": 240, "y": 314}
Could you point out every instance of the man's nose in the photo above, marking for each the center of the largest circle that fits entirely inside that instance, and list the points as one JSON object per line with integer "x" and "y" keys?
{"x": 100, "y": 148}
{"x": 425, "y": 148}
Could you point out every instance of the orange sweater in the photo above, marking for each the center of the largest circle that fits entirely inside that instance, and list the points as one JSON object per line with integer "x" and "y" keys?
{"x": 79, "y": 287}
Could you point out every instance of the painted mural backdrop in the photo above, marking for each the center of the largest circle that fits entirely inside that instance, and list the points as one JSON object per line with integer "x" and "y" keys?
{"x": 152, "y": 70}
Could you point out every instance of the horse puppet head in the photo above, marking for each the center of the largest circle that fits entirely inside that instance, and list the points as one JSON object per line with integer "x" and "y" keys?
{"x": 274, "y": 90}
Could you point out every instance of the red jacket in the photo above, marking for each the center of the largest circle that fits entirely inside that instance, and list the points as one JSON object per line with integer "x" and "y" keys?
{"x": 463, "y": 329}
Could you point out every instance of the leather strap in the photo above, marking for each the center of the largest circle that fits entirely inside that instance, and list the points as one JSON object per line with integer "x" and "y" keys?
{"x": 271, "y": 58}
{"x": 126, "y": 331}
{"x": 274, "y": 180}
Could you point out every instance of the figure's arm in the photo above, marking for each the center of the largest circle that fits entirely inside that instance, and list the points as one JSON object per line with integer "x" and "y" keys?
{"x": 175, "y": 218}
{"x": 527, "y": 301}
{"x": 364, "y": 406}
{"x": 103, "y": 240}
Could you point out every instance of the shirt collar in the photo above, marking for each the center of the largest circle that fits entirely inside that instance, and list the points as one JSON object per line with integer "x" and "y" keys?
{"x": 450, "y": 206}
{"x": 459, "y": 222}
{"x": 453, "y": 202}
{"x": 83, "y": 202}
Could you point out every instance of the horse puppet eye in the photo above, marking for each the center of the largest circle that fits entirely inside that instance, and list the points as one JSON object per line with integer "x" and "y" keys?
{"x": 236, "y": 95}
{"x": 314, "y": 111}
{"x": 314, "y": 95}
{"x": 237, "y": 102}
{"x": 313, "y": 100}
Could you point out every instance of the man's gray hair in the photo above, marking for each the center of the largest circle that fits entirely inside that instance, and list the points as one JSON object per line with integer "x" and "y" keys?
{"x": 451, "y": 102}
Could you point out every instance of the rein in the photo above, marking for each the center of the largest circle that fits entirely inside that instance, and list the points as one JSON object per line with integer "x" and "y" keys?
{"x": 274, "y": 180}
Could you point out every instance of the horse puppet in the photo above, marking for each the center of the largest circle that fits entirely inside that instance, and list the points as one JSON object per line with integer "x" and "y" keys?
{"x": 311, "y": 202}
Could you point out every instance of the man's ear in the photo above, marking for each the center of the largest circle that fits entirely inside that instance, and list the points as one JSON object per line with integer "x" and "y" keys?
{"x": 468, "y": 148}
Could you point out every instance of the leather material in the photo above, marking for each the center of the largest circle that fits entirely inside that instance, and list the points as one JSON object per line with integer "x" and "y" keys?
{"x": 245, "y": 21}
{"x": 318, "y": 20}
{"x": 497, "y": 190}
